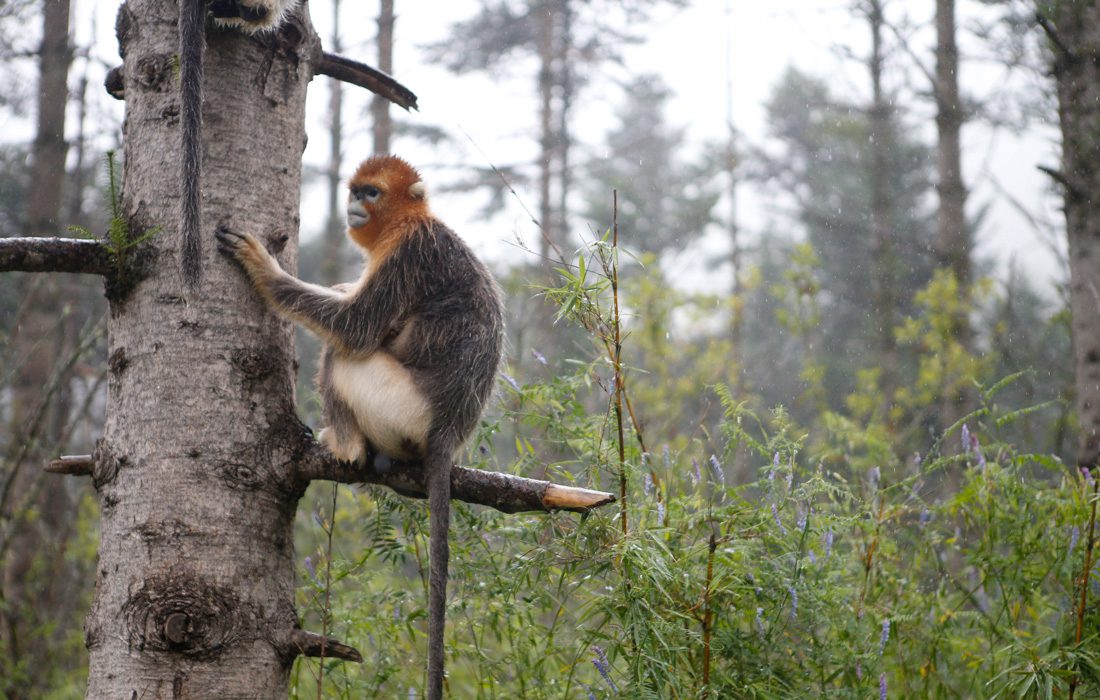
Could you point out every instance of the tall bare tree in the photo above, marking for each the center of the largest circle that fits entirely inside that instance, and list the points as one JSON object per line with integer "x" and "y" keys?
{"x": 38, "y": 416}
{"x": 1073, "y": 29}
{"x": 953, "y": 241}
{"x": 883, "y": 282}
{"x": 382, "y": 127}
{"x": 333, "y": 255}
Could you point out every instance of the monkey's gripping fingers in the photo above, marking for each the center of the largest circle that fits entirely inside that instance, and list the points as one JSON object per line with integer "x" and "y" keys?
{"x": 247, "y": 251}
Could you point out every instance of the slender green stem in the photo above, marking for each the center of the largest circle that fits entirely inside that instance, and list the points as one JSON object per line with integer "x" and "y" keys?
{"x": 1083, "y": 605}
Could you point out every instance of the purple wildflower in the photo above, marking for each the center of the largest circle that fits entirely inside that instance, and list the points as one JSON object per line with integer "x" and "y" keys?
{"x": 925, "y": 516}
{"x": 778, "y": 522}
{"x": 790, "y": 478}
{"x": 885, "y": 636}
{"x": 538, "y": 356}
{"x": 647, "y": 483}
{"x": 310, "y": 568}
{"x": 508, "y": 378}
{"x": 800, "y": 520}
{"x": 828, "y": 536}
{"x": 760, "y": 621}
{"x": 1074, "y": 535}
{"x": 602, "y": 665}
{"x": 666, "y": 457}
{"x": 882, "y": 686}
{"x": 412, "y": 693}
{"x": 716, "y": 469}
{"x": 812, "y": 556}
{"x": 696, "y": 477}
{"x": 971, "y": 444}
{"x": 1089, "y": 480}
{"x": 794, "y": 601}
{"x": 591, "y": 695}
{"x": 965, "y": 437}
{"x": 775, "y": 460}
{"x": 660, "y": 512}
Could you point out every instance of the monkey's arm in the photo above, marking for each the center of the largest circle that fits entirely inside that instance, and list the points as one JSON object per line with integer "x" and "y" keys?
{"x": 320, "y": 309}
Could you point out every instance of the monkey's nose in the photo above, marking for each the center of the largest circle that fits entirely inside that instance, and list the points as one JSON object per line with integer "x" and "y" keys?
{"x": 357, "y": 215}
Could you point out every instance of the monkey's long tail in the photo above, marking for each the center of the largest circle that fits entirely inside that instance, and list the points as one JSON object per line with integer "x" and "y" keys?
{"x": 192, "y": 28}
{"x": 439, "y": 505}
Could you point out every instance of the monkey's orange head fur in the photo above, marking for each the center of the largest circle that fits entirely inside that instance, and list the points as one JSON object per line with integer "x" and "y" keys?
{"x": 386, "y": 200}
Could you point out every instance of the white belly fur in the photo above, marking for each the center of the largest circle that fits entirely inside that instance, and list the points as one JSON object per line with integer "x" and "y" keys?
{"x": 383, "y": 396}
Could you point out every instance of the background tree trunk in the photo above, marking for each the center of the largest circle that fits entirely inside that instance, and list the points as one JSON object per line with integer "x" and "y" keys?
{"x": 194, "y": 588}
{"x": 1076, "y": 26}
{"x": 29, "y": 602}
{"x": 883, "y": 283}
{"x": 332, "y": 259}
{"x": 380, "y": 106}
{"x": 952, "y": 231}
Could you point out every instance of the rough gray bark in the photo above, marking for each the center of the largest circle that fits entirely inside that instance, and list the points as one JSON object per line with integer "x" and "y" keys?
{"x": 1074, "y": 30}
{"x": 194, "y": 589}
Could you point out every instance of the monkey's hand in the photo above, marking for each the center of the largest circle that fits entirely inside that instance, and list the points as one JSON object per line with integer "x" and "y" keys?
{"x": 260, "y": 266}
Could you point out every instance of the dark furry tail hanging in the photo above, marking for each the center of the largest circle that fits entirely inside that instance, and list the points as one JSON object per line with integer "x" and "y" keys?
{"x": 439, "y": 506}
{"x": 192, "y": 28}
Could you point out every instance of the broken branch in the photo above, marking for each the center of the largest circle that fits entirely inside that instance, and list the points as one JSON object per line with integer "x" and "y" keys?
{"x": 364, "y": 76}
{"x": 298, "y": 642}
{"x": 504, "y": 492}
{"x": 73, "y": 465}
{"x": 54, "y": 255}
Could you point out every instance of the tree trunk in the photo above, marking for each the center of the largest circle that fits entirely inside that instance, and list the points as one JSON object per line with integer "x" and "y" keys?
{"x": 952, "y": 232}
{"x": 952, "y": 242}
{"x": 195, "y": 583}
{"x": 332, "y": 263}
{"x": 883, "y": 285}
{"x": 545, "y": 19}
{"x": 29, "y": 608}
{"x": 380, "y": 107}
{"x": 1076, "y": 39}
{"x": 44, "y": 203}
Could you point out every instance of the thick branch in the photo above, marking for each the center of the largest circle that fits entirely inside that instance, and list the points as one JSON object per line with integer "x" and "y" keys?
{"x": 364, "y": 76}
{"x": 506, "y": 493}
{"x": 54, "y": 255}
{"x": 298, "y": 642}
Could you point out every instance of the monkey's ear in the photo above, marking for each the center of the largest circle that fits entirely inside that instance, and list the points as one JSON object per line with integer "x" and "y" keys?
{"x": 417, "y": 190}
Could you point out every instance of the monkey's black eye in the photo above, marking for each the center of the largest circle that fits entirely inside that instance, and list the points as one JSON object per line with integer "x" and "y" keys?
{"x": 367, "y": 192}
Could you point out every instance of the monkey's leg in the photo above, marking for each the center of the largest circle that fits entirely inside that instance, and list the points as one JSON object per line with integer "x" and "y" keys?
{"x": 341, "y": 436}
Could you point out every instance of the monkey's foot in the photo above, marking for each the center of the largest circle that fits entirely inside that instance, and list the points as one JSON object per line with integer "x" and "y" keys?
{"x": 353, "y": 451}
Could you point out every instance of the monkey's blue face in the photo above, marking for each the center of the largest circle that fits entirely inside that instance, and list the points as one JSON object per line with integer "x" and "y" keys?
{"x": 359, "y": 198}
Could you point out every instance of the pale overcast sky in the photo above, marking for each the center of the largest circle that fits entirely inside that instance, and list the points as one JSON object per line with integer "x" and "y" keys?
{"x": 695, "y": 50}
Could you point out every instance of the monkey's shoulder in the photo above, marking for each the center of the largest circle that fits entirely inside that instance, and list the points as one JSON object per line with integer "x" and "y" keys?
{"x": 436, "y": 260}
